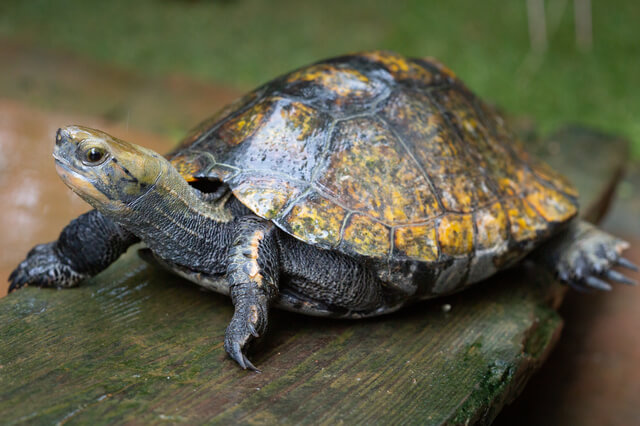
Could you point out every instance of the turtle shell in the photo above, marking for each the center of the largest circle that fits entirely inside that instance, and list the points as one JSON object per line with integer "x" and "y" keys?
{"x": 378, "y": 155}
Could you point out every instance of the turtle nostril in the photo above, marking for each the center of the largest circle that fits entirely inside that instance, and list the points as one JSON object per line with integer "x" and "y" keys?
{"x": 58, "y": 137}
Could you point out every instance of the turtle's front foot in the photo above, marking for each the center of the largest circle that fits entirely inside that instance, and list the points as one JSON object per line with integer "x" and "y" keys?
{"x": 586, "y": 256}
{"x": 44, "y": 268}
{"x": 249, "y": 322}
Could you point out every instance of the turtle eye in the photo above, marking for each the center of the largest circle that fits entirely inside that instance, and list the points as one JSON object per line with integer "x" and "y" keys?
{"x": 94, "y": 155}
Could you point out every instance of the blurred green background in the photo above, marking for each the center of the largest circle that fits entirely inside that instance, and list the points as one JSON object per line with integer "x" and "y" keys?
{"x": 243, "y": 43}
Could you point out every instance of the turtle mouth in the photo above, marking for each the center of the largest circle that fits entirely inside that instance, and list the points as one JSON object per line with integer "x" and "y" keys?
{"x": 66, "y": 172}
{"x": 60, "y": 159}
{"x": 81, "y": 185}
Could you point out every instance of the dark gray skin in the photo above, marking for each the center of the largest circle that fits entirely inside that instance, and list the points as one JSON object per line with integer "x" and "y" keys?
{"x": 215, "y": 241}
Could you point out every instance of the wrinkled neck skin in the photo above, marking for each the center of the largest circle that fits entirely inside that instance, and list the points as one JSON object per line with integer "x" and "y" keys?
{"x": 178, "y": 226}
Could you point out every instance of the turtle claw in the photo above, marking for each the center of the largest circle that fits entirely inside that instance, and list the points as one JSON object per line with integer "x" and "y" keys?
{"x": 238, "y": 356}
{"x": 626, "y": 263}
{"x": 597, "y": 283}
{"x": 246, "y": 326}
{"x": 618, "y": 277}
{"x": 17, "y": 281}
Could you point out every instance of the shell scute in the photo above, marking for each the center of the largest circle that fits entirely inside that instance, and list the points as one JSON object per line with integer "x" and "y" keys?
{"x": 464, "y": 192}
{"x": 366, "y": 237}
{"x": 242, "y": 126}
{"x": 550, "y": 204}
{"x": 491, "y": 223}
{"x": 368, "y": 171}
{"x": 555, "y": 179}
{"x": 197, "y": 133}
{"x": 423, "y": 129}
{"x": 288, "y": 141}
{"x": 525, "y": 223}
{"x": 267, "y": 195}
{"x": 316, "y": 220}
{"x": 455, "y": 234}
{"x": 470, "y": 133}
{"x": 336, "y": 86}
{"x": 417, "y": 242}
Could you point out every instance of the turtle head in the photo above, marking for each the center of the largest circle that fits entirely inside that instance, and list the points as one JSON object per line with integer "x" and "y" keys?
{"x": 107, "y": 172}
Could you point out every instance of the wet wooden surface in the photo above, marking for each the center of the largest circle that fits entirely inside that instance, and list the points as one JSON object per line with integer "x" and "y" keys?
{"x": 136, "y": 344}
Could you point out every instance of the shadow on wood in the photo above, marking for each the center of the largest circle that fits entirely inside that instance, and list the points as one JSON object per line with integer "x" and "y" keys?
{"x": 136, "y": 344}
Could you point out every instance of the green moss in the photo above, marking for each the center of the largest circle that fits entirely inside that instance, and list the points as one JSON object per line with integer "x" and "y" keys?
{"x": 490, "y": 382}
{"x": 490, "y": 385}
{"x": 546, "y": 325}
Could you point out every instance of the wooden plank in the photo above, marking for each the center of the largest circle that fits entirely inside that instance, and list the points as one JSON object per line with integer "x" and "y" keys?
{"x": 136, "y": 344}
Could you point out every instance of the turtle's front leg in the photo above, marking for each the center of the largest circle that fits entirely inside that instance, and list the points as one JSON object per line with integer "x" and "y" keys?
{"x": 583, "y": 257}
{"x": 86, "y": 246}
{"x": 253, "y": 273}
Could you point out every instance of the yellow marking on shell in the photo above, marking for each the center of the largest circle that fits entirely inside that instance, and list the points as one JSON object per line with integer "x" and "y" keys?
{"x": 301, "y": 118}
{"x": 463, "y": 116}
{"x": 455, "y": 234}
{"x": 400, "y": 67}
{"x": 243, "y": 126}
{"x": 254, "y": 271}
{"x": 512, "y": 181}
{"x": 441, "y": 67}
{"x": 206, "y": 125}
{"x": 417, "y": 242}
{"x": 550, "y": 204}
{"x": 508, "y": 187}
{"x": 371, "y": 172}
{"x": 492, "y": 226}
{"x": 462, "y": 192}
{"x": 316, "y": 220}
{"x": 425, "y": 133}
{"x": 367, "y": 237}
{"x": 525, "y": 222}
{"x": 265, "y": 196}
{"x": 342, "y": 81}
{"x": 186, "y": 168}
{"x": 560, "y": 182}
{"x": 287, "y": 142}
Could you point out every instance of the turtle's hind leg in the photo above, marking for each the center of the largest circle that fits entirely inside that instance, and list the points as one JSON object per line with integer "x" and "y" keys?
{"x": 583, "y": 256}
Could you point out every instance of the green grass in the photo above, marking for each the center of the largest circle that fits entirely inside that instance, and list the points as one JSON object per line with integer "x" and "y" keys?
{"x": 246, "y": 42}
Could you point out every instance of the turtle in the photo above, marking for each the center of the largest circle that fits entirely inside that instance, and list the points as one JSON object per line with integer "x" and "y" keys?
{"x": 347, "y": 188}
